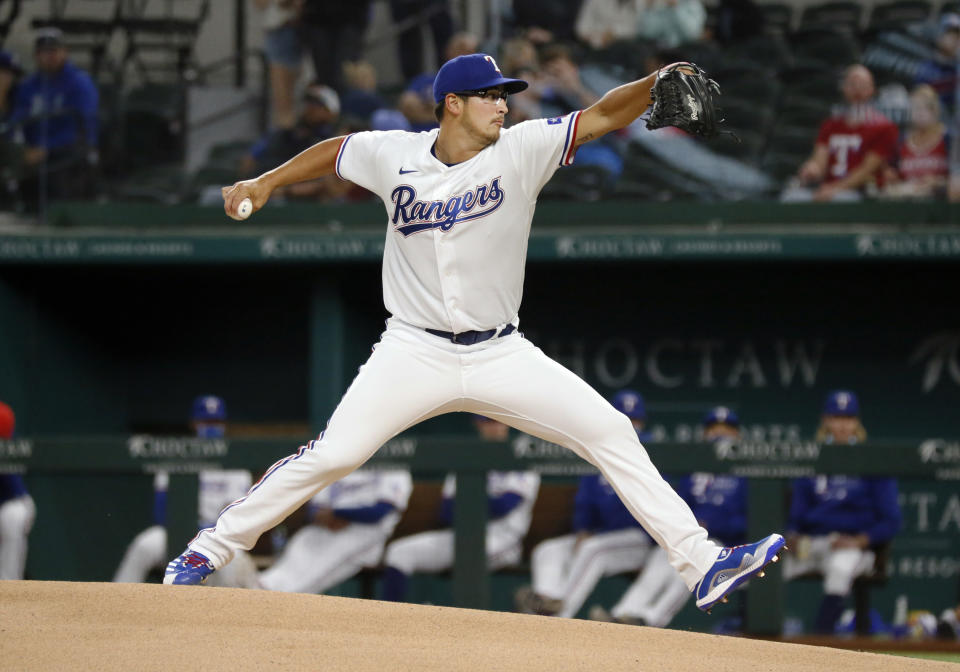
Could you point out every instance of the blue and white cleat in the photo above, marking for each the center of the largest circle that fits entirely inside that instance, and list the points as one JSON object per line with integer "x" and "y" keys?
{"x": 735, "y": 565}
{"x": 190, "y": 569}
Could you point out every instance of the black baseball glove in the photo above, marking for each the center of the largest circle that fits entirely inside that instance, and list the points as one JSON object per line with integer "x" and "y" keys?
{"x": 685, "y": 100}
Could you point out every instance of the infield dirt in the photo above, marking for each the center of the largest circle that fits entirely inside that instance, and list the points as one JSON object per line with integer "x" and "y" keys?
{"x": 102, "y": 626}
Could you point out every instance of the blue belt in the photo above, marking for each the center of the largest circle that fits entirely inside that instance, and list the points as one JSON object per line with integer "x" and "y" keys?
{"x": 471, "y": 337}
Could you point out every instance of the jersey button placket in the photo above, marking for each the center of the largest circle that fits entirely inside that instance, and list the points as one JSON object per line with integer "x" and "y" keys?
{"x": 449, "y": 279}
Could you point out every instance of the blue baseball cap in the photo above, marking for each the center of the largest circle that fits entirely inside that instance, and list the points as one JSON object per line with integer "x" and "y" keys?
{"x": 631, "y": 404}
{"x": 721, "y": 415}
{"x": 842, "y": 402}
{"x": 209, "y": 408}
{"x": 472, "y": 73}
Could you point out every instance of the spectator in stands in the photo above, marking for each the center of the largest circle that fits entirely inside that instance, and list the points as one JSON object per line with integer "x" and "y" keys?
{"x": 413, "y": 14}
{"x": 923, "y": 155}
{"x": 284, "y": 54}
{"x": 10, "y": 72}
{"x": 416, "y": 102}
{"x": 510, "y": 499}
{"x": 562, "y": 90}
{"x": 546, "y": 21}
{"x": 519, "y": 60}
{"x": 669, "y": 23}
{"x": 600, "y": 23}
{"x": 853, "y": 148}
{"x": 837, "y": 522}
{"x": 317, "y": 121}
{"x": 17, "y": 511}
{"x": 940, "y": 72}
{"x": 720, "y": 504}
{"x": 606, "y": 540}
{"x": 360, "y": 99}
{"x": 55, "y": 113}
{"x": 333, "y": 33}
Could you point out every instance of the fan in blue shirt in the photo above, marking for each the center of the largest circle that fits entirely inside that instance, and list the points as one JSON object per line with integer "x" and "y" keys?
{"x": 836, "y": 521}
{"x": 55, "y": 113}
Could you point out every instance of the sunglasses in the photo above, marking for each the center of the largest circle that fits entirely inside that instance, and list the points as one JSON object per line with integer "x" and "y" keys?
{"x": 492, "y": 96}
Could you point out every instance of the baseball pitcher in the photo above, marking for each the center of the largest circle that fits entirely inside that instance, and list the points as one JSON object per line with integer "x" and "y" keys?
{"x": 459, "y": 202}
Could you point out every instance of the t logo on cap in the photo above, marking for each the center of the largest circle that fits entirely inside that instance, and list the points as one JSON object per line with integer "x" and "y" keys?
{"x": 472, "y": 72}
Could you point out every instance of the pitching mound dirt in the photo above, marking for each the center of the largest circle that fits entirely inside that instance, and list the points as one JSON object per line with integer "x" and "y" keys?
{"x": 102, "y": 626}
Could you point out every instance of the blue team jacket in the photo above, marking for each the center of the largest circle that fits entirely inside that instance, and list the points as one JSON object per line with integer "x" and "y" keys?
{"x": 69, "y": 90}
{"x": 597, "y": 508}
{"x": 850, "y": 505}
{"x": 719, "y": 503}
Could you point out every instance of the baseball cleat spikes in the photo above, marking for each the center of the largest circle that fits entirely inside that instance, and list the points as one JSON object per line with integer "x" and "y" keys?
{"x": 733, "y": 567}
{"x": 725, "y": 599}
{"x": 775, "y": 558}
{"x": 762, "y": 574}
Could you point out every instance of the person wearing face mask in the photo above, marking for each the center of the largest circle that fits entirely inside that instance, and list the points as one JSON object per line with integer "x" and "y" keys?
{"x": 836, "y": 522}
{"x": 853, "y": 147}
{"x": 923, "y": 155}
{"x": 218, "y": 489}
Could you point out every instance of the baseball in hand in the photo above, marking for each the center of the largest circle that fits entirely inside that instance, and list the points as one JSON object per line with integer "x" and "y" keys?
{"x": 244, "y": 209}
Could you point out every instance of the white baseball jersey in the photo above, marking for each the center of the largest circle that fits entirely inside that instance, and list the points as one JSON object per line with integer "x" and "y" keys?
{"x": 523, "y": 483}
{"x": 218, "y": 488}
{"x": 457, "y": 235}
{"x": 365, "y": 488}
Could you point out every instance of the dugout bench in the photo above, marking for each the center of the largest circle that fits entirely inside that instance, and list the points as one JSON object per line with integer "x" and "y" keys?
{"x": 767, "y": 464}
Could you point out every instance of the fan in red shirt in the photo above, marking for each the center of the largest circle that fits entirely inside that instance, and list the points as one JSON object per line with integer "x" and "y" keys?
{"x": 853, "y": 147}
{"x": 923, "y": 164}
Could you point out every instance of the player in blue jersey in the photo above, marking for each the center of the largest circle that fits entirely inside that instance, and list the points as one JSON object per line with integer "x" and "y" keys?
{"x": 838, "y": 521}
{"x": 17, "y": 511}
{"x": 606, "y": 540}
{"x": 719, "y": 503}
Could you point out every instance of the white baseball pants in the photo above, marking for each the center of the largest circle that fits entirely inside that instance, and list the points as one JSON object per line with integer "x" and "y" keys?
{"x": 433, "y": 551}
{"x": 412, "y": 376}
{"x": 840, "y": 567}
{"x": 316, "y": 558}
{"x": 565, "y": 570}
{"x": 657, "y": 595}
{"x": 16, "y": 520}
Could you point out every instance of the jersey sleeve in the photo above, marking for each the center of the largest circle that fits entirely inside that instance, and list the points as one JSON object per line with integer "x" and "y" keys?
{"x": 358, "y": 158}
{"x": 540, "y": 146}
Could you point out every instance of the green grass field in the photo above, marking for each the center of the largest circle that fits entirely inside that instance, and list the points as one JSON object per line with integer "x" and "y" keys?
{"x": 945, "y": 657}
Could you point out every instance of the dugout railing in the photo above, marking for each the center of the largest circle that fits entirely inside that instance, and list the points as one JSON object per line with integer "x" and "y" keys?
{"x": 768, "y": 465}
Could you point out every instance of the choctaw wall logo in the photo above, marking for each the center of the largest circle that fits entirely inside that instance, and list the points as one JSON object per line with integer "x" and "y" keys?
{"x": 940, "y": 357}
